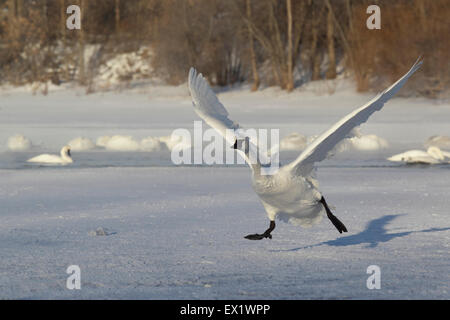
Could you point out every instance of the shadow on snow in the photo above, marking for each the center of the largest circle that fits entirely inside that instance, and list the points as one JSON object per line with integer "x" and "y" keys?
{"x": 374, "y": 234}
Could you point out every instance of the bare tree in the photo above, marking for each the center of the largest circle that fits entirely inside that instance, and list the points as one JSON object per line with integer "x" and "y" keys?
{"x": 81, "y": 42}
{"x": 289, "y": 76}
{"x": 252, "y": 48}
{"x": 117, "y": 14}
{"x": 280, "y": 42}
{"x": 278, "y": 39}
{"x": 11, "y": 9}
{"x": 315, "y": 54}
{"x": 19, "y": 8}
{"x": 331, "y": 72}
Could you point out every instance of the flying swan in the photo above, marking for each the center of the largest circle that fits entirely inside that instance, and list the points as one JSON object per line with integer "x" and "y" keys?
{"x": 65, "y": 157}
{"x": 291, "y": 194}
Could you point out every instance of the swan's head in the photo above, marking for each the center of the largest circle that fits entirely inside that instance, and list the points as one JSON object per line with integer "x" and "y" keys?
{"x": 436, "y": 153}
{"x": 65, "y": 153}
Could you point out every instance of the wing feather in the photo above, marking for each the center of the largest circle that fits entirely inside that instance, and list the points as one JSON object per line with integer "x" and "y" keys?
{"x": 319, "y": 149}
{"x": 208, "y": 107}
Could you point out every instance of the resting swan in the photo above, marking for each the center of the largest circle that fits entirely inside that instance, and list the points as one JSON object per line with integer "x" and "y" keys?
{"x": 291, "y": 193}
{"x": 433, "y": 155}
{"x": 65, "y": 157}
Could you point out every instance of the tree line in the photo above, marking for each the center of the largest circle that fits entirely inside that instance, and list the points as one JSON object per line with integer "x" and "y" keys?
{"x": 263, "y": 42}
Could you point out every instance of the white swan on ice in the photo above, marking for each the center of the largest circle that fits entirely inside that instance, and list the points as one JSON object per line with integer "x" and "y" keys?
{"x": 64, "y": 158}
{"x": 433, "y": 155}
{"x": 291, "y": 193}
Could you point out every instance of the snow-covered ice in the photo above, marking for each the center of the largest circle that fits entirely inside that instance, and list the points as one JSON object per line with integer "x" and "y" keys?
{"x": 177, "y": 231}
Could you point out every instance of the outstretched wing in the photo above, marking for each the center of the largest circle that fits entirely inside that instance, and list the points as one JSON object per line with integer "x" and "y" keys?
{"x": 319, "y": 148}
{"x": 208, "y": 107}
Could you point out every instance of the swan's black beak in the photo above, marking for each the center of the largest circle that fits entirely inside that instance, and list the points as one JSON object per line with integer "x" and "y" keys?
{"x": 235, "y": 146}
{"x": 68, "y": 152}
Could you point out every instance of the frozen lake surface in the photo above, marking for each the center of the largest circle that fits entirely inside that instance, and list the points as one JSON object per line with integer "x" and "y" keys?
{"x": 177, "y": 232}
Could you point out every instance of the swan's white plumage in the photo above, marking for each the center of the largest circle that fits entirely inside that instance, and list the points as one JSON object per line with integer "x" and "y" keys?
{"x": 291, "y": 193}
{"x": 63, "y": 158}
{"x": 319, "y": 149}
{"x": 433, "y": 155}
{"x": 209, "y": 108}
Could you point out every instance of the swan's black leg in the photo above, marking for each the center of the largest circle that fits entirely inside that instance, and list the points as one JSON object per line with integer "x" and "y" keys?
{"x": 266, "y": 233}
{"x": 336, "y": 222}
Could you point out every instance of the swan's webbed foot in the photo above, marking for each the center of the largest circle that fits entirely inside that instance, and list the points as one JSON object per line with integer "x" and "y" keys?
{"x": 334, "y": 220}
{"x": 266, "y": 234}
{"x": 337, "y": 223}
{"x": 257, "y": 236}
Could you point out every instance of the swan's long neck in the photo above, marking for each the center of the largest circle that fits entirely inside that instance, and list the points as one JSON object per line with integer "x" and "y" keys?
{"x": 256, "y": 169}
{"x": 269, "y": 165}
{"x": 252, "y": 158}
{"x": 65, "y": 155}
{"x": 436, "y": 153}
